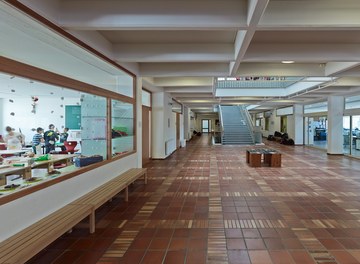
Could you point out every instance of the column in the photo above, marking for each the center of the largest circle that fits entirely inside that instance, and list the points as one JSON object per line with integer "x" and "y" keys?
{"x": 187, "y": 132}
{"x": 298, "y": 124}
{"x": 138, "y": 111}
{"x": 335, "y": 124}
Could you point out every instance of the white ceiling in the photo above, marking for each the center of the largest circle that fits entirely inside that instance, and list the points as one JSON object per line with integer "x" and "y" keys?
{"x": 180, "y": 46}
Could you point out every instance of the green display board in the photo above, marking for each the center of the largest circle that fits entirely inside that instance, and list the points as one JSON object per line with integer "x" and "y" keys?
{"x": 73, "y": 116}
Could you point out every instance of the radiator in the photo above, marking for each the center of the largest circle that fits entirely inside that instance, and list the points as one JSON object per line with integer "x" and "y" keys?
{"x": 169, "y": 146}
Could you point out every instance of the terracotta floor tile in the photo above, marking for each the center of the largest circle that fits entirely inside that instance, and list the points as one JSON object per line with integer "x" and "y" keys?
{"x": 292, "y": 243}
{"x": 178, "y": 243}
{"x": 320, "y": 233}
{"x": 175, "y": 257}
{"x": 302, "y": 257}
{"x": 269, "y": 233}
{"x": 235, "y": 243}
{"x": 233, "y": 233}
{"x": 204, "y": 203}
{"x": 196, "y": 257}
{"x": 254, "y": 243}
{"x": 68, "y": 257}
{"x": 343, "y": 257}
{"x": 133, "y": 256}
{"x": 142, "y": 243}
{"x": 273, "y": 243}
{"x": 153, "y": 257}
{"x": 331, "y": 244}
{"x": 251, "y": 233}
{"x": 355, "y": 254}
{"x": 281, "y": 257}
{"x": 260, "y": 257}
{"x": 238, "y": 257}
{"x": 159, "y": 244}
{"x": 197, "y": 243}
{"x": 89, "y": 257}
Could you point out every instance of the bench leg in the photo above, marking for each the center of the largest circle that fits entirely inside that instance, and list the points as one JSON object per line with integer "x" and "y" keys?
{"x": 92, "y": 222}
{"x": 127, "y": 194}
{"x": 145, "y": 178}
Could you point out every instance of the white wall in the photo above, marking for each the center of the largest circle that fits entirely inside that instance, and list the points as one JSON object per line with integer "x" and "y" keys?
{"x": 68, "y": 59}
{"x": 291, "y": 126}
{"x": 25, "y": 211}
{"x": 274, "y": 124}
{"x": 164, "y": 126}
{"x": 48, "y": 111}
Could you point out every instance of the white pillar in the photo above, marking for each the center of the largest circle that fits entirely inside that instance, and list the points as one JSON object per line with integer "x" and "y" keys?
{"x": 335, "y": 124}
{"x": 158, "y": 124}
{"x": 186, "y": 114}
{"x": 298, "y": 124}
{"x": 138, "y": 91}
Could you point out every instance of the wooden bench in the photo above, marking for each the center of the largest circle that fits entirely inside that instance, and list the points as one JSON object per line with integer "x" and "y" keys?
{"x": 27, "y": 243}
{"x": 272, "y": 158}
{"x": 107, "y": 191}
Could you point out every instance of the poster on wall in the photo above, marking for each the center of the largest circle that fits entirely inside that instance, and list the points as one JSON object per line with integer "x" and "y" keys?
{"x": 73, "y": 117}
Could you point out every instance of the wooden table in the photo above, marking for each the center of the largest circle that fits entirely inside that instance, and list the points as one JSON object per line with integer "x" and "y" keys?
{"x": 12, "y": 151}
{"x": 25, "y": 171}
{"x": 55, "y": 158}
{"x": 271, "y": 157}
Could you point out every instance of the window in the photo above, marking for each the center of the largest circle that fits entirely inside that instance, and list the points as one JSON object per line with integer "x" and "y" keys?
{"x": 122, "y": 127}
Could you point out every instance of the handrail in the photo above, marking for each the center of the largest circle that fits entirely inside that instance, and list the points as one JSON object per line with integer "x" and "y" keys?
{"x": 249, "y": 122}
{"x": 221, "y": 122}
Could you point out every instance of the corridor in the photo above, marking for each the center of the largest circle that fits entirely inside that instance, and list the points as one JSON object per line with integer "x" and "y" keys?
{"x": 204, "y": 204}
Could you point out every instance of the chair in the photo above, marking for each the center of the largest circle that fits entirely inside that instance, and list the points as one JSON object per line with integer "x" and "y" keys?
{"x": 70, "y": 146}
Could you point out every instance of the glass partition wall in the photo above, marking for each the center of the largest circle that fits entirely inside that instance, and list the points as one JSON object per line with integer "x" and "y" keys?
{"x": 351, "y": 126}
{"x": 122, "y": 127}
{"x": 351, "y": 135}
{"x": 97, "y": 124}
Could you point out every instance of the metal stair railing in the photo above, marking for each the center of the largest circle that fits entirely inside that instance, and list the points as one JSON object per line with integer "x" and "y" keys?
{"x": 249, "y": 121}
{"x": 221, "y": 124}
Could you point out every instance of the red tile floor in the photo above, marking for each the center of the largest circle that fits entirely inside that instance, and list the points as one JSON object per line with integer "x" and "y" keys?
{"x": 204, "y": 204}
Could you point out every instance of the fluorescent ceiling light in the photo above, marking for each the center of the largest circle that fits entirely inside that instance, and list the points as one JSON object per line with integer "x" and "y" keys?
{"x": 287, "y": 61}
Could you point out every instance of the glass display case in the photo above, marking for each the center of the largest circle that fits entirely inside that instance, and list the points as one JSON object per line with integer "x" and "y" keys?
{"x": 122, "y": 127}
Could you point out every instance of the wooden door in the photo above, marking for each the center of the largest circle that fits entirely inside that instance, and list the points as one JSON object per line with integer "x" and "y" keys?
{"x": 177, "y": 130}
{"x": 146, "y": 134}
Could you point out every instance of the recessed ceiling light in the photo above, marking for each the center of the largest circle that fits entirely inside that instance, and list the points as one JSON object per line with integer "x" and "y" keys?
{"x": 287, "y": 61}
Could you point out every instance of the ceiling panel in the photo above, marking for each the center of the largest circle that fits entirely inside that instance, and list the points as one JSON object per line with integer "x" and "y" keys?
{"x": 167, "y": 36}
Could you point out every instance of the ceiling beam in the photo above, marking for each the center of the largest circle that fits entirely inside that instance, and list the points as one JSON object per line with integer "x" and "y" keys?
{"x": 184, "y": 81}
{"x": 183, "y": 69}
{"x": 302, "y": 52}
{"x": 189, "y": 89}
{"x": 320, "y": 13}
{"x": 279, "y": 69}
{"x": 243, "y": 38}
{"x": 173, "y": 52}
{"x": 334, "y": 68}
{"x": 155, "y": 14}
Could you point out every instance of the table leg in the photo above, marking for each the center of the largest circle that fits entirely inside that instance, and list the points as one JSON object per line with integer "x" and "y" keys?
{"x": 27, "y": 173}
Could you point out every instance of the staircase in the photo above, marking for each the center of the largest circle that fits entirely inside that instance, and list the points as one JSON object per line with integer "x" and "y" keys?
{"x": 236, "y": 130}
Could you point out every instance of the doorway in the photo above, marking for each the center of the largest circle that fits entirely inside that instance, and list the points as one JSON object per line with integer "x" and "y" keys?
{"x": 283, "y": 124}
{"x": 205, "y": 125}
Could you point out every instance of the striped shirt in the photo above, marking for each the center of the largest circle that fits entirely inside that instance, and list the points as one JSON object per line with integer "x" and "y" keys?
{"x": 37, "y": 139}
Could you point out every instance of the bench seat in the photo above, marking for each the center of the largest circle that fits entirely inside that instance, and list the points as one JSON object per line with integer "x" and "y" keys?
{"x": 107, "y": 191}
{"x": 27, "y": 243}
